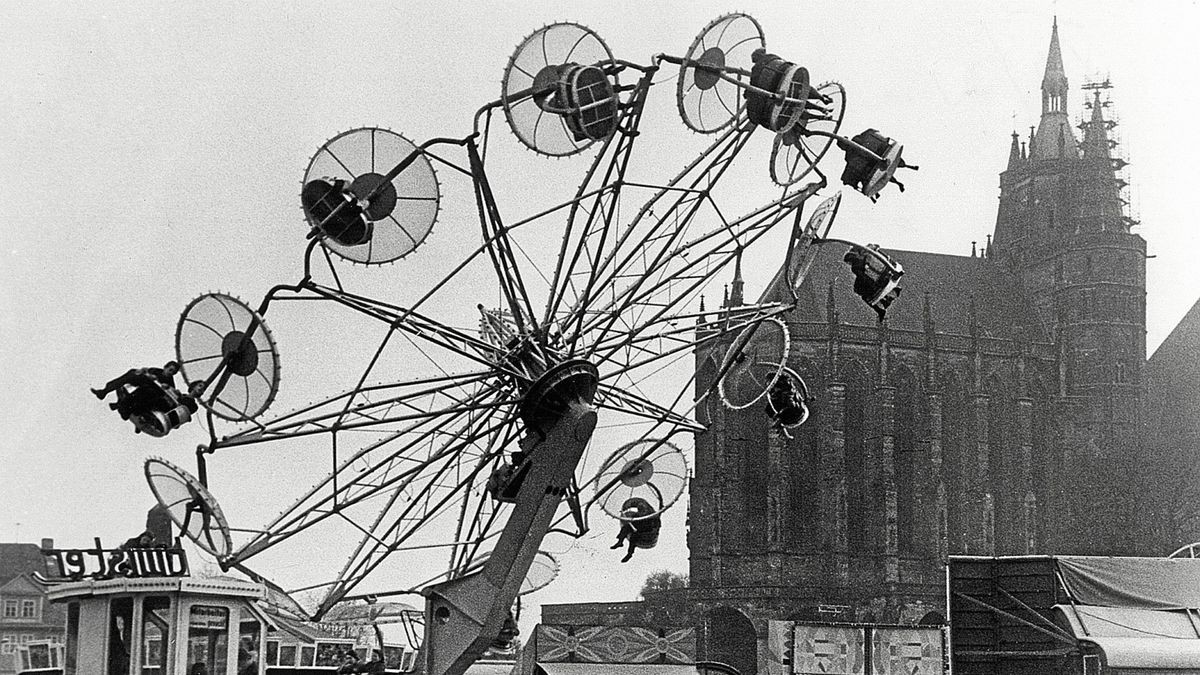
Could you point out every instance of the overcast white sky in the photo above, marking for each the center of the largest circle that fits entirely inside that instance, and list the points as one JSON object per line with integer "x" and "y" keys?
{"x": 151, "y": 152}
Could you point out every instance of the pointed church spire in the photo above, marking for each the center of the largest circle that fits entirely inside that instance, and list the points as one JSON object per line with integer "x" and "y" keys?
{"x": 1056, "y": 75}
{"x": 736, "y": 298}
{"x": 1014, "y": 153}
{"x": 1054, "y": 138}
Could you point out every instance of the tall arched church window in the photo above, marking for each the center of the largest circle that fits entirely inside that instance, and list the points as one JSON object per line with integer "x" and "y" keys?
{"x": 956, "y": 445}
{"x": 999, "y": 480}
{"x": 862, "y": 501}
{"x": 1045, "y": 465}
{"x": 805, "y": 468}
{"x": 910, "y": 461}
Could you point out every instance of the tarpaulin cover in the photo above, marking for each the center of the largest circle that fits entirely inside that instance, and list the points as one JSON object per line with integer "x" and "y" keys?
{"x": 367, "y": 614}
{"x": 1123, "y": 622}
{"x": 1145, "y": 583}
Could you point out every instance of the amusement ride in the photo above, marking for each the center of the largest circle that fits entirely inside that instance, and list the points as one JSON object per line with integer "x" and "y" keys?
{"x": 479, "y": 458}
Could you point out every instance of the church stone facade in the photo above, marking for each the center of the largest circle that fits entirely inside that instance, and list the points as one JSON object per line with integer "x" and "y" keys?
{"x": 997, "y": 411}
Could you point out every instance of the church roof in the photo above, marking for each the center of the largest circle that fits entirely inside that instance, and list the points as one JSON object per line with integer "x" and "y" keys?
{"x": 956, "y": 287}
{"x": 1177, "y": 354}
{"x": 1173, "y": 380}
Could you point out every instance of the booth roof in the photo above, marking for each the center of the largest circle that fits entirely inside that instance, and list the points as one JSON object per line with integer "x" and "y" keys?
{"x": 305, "y": 632}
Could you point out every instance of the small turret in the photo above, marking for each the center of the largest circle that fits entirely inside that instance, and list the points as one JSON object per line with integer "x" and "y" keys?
{"x": 736, "y": 291}
{"x": 1015, "y": 158}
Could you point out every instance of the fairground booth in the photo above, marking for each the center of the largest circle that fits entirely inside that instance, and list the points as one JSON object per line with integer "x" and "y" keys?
{"x": 137, "y": 611}
{"x": 1074, "y": 615}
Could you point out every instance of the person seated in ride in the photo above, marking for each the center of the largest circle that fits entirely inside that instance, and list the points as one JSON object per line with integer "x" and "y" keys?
{"x": 785, "y": 404}
{"x": 861, "y": 165}
{"x": 144, "y": 540}
{"x": 148, "y": 397}
{"x": 866, "y": 283}
{"x": 638, "y": 526}
{"x": 508, "y": 632}
{"x": 505, "y": 482}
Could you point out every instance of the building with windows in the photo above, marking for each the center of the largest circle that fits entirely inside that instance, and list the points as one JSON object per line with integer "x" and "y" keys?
{"x": 25, "y": 613}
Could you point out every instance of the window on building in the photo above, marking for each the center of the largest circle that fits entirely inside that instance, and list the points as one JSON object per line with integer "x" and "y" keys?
{"x": 39, "y": 656}
{"x": 29, "y": 609}
{"x": 10, "y": 609}
{"x": 208, "y": 639}
{"x": 1002, "y": 473}
{"x": 287, "y": 655}
{"x": 6, "y": 644}
{"x": 863, "y": 507}
{"x": 272, "y": 652}
{"x": 156, "y": 631}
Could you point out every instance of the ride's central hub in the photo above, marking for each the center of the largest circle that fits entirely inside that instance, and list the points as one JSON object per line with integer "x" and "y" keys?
{"x": 383, "y": 202}
{"x": 572, "y": 381}
{"x": 241, "y": 353}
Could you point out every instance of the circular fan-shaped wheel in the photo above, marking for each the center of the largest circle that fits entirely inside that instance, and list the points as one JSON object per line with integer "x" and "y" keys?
{"x": 887, "y": 168}
{"x": 758, "y": 356}
{"x": 542, "y": 571}
{"x": 224, "y": 347}
{"x": 363, "y": 217}
{"x": 558, "y": 97}
{"x": 658, "y": 478}
{"x": 794, "y": 153}
{"x": 706, "y": 101}
{"x": 823, "y": 216}
{"x": 191, "y": 506}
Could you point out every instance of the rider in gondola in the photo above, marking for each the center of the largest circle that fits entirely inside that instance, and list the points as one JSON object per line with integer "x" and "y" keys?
{"x": 786, "y": 403}
{"x": 638, "y": 526}
{"x": 148, "y": 398}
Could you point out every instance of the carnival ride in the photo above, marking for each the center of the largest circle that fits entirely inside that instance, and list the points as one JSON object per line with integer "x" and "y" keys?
{"x": 474, "y": 458}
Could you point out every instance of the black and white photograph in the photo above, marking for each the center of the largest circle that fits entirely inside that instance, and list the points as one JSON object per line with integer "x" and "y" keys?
{"x": 531, "y": 338}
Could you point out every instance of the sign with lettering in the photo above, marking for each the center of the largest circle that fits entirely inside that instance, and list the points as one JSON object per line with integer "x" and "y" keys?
{"x": 110, "y": 563}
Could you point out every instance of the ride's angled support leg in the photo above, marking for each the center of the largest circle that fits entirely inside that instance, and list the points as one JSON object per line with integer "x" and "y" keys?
{"x": 464, "y": 615}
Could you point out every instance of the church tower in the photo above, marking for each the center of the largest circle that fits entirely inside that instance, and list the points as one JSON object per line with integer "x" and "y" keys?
{"x": 1063, "y": 230}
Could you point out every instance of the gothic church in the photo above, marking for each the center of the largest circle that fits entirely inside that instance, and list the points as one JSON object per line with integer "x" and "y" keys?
{"x": 997, "y": 411}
